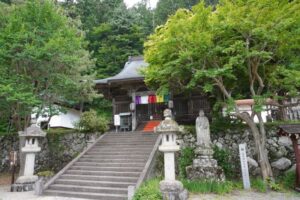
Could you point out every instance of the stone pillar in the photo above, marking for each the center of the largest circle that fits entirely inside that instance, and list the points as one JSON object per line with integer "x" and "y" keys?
{"x": 134, "y": 122}
{"x": 27, "y": 181}
{"x": 171, "y": 188}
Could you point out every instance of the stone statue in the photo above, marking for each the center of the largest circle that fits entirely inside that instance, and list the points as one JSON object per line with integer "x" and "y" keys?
{"x": 204, "y": 167}
{"x": 202, "y": 129}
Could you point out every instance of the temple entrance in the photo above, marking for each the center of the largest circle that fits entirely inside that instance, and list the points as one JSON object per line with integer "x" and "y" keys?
{"x": 152, "y": 111}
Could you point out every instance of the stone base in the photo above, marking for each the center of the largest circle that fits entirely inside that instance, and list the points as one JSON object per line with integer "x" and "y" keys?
{"x": 173, "y": 190}
{"x": 205, "y": 169}
{"x": 24, "y": 183}
{"x": 23, "y": 187}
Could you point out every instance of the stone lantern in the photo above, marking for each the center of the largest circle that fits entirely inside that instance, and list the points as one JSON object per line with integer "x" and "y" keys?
{"x": 27, "y": 180}
{"x": 170, "y": 187}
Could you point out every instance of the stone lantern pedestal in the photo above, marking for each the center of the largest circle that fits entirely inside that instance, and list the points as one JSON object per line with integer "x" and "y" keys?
{"x": 27, "y": 180}
{"x": 171, "y": 188}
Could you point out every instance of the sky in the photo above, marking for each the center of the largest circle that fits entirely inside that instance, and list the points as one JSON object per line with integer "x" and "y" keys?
{"x": 130, "y": 3}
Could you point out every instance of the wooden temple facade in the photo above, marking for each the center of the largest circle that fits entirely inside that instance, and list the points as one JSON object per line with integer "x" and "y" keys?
{"x": 131, "y": 97}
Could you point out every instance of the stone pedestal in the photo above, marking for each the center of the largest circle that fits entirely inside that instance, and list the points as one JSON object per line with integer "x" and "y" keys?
{"x": 171, "y": 188}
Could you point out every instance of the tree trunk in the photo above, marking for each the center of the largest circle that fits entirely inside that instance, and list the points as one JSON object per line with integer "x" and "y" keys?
{"x": 259, "y": 140}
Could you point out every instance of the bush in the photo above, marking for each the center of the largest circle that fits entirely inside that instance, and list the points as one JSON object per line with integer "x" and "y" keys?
{"x": 186, "y": 158}
{"x": 208, "y": 186}
{"x": 149, "y": 191}
{"x": 223, "y": 158}
{"x": 90, "y": 122}
{"x": 46, "y": 173}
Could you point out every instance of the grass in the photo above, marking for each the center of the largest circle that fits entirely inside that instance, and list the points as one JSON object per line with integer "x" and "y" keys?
{"x": 259, "y": 185}
{"x": 209, "y": 186}
{"x": 149, "y": 191}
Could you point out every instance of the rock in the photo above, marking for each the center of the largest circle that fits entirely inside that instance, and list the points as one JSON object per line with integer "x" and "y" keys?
{"x": 281, "y": 152}
{"x": 285, "y": 141}
{"x": 281, "y": 164}
{"x": 252, "y": 163}
{"x": 219, "y": 145}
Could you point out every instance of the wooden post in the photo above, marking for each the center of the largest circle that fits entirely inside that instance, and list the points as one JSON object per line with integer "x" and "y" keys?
{"x": 297, "y": 156}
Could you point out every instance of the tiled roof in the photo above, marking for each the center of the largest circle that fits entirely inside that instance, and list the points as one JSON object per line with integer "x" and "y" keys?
{"x": 131, "y": 71}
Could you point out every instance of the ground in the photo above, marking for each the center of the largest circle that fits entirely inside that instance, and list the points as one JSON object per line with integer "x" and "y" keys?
{"x": 237, "y": 195}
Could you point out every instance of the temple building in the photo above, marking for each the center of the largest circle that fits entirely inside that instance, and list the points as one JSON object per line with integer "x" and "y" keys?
{"x": 137, "y": 105}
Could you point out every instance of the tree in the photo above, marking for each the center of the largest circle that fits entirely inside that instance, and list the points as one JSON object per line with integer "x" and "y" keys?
{"x": 242, "y": 49}
{"x": 165, "y": 8}
{"x": 113, "y": 41}
{"x": 42, "y": 60}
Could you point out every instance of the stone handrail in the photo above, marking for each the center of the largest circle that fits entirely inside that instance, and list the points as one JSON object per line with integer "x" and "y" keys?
{"x": 51, "y": 181}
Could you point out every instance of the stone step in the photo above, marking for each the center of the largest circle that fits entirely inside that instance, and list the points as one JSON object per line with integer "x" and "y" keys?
{"x": 104, "y": 173}
{"x": 77, "y": 188}
{"x": 116, "y": 149}
{"x": 116, "y": 156}
{"x": 94, "y": 183}
{"x": 124, "y": 145}
{"x": 129, "y": 142}
{"x": 88, "y": 195}
{"x": 101, "y": 164}
{"x": 99, "y": 178}
{"x": 115, "y": 169}
{"x": 118, "y": 152}
{"x": 139, "y": 160}
{"x": 107, "y": 153}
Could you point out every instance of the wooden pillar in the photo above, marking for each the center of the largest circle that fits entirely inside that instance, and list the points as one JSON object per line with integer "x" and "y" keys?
{"x": 297, "y": 156}
{"x": 133, "y": 118}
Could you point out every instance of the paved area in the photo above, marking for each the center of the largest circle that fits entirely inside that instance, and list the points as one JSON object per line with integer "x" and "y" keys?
{"x": 6, "y": 195}
{"x": 237, "y": 195}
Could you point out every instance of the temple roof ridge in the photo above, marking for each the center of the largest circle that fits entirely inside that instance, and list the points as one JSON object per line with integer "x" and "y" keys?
{"x": 131, "y": 71}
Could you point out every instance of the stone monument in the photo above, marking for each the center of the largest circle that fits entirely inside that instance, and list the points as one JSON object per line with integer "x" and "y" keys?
{"x": 204, "y": 166}
{"x": 171, "y": 188}
{"x": 27, "y": 180}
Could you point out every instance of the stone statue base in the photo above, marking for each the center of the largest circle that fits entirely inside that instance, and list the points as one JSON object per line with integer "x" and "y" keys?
{"x": 205, "y": 168}
{"x": 173, "y": 190}
{"x": 24, "y": 183}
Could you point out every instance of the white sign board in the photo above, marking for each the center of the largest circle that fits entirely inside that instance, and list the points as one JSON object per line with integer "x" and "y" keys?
{"x": 244, "y": 166}
{"x": 117, "y": 120}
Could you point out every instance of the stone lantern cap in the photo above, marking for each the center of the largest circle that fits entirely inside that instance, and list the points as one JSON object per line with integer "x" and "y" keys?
{"x": 168, "y": 125}
{"x": 32, "y": 131}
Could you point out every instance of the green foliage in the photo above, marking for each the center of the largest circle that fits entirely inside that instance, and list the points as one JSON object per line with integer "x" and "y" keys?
{"x": 223, "y": 157}
{"x": 288, "y": 180}
{"x": 42, "y": 60}
{"x": 149, "y": 191}
{"x": 220, "y": 124}
{"x": 46, "y": 173}
{"x": 190, "y": 129}
{"x": 90, "y": 122}
{"x": 259, "y": 185}
{"x": 208, "y": 186}
{"x": 186, "y": 158}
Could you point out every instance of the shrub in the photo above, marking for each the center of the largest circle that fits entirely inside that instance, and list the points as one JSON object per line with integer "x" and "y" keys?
{"x": 90, "y": 122}
{"x": 46, "y": 173}
{"x": 223, "y": 158}
{"x": 149, "y": 191}
{"x": 208, "y": 186}
{"x": 186, "y": 158}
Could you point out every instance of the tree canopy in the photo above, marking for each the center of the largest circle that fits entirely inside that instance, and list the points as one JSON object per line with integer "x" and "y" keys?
{"x": 241, "y": 49}
{"x": 42, "y": 60}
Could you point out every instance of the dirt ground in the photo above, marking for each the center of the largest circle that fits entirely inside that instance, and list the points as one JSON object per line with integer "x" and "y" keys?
{"x": 5, "y": 179}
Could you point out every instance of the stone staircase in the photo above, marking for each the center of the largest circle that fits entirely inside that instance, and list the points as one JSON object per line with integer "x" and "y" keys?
{"x": 106, "y": 169}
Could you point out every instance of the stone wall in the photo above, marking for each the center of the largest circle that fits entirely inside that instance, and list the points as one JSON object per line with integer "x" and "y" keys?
{"x": 57, "y": 150}
{"x": 280, "y": 149}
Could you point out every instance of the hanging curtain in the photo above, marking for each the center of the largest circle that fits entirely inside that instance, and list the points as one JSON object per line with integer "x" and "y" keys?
{"x": 138, "y": 100}
{"x": 144, "y": 99}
